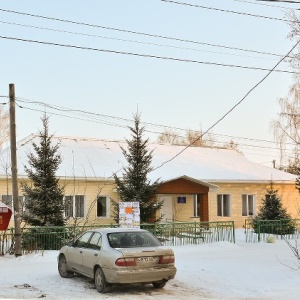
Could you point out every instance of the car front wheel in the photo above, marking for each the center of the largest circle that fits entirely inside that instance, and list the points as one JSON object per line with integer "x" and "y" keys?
{"x": 100, "y": 282}
{"x": 159, "y": 284}
{"x": 63, "y": 267}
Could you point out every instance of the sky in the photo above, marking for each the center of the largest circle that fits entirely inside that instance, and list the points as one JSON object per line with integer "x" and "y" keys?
{"x": 215, "y": 271}
{"x": 112, "y": 59}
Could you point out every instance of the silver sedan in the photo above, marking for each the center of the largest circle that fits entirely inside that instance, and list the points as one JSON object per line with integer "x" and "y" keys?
{"x": 118, "y": 256}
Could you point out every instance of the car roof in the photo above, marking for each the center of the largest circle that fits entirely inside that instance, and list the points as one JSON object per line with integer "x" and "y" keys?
{"x": 118, "y": 229}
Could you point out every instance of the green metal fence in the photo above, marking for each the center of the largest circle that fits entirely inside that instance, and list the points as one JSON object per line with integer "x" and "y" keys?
{"x": 180, "y": 233}
{"x": 172, "y": 234}
{"x": 260, "y": 230}
{"x": 6, "y": 241}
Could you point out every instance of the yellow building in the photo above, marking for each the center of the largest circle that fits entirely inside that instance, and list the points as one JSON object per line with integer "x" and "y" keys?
{"x": 198, "y": 183}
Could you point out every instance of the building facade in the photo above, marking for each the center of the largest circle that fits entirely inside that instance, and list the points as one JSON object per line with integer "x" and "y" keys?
{"x": 201, "y": 184}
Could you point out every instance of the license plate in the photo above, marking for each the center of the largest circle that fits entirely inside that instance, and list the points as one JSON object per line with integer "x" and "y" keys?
{"x": 147, "y": 259}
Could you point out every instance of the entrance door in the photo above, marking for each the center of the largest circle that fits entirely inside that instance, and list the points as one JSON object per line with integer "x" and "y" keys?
{"x": 166, "y": 211}
{"x": 203, "y": 207}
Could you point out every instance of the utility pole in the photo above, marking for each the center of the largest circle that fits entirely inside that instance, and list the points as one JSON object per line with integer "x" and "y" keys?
{"x": 14, "y": 173}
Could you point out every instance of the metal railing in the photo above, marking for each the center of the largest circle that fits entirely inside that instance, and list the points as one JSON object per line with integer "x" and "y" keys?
{"x": 261, "y": 230}
{"x": 181, "y": 233}
{"x": 171, "y": 234}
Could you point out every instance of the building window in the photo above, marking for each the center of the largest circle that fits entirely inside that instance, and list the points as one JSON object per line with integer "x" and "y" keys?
{"x": 69, "y": 206}
{"x": 102, "y": 206}
{"x": 248, "y": 205}
{"x": 196, "y": 206}
{"x": 8, "y": 200}
{"x": 223, "y": 204}
{"x": 74, "y": 206}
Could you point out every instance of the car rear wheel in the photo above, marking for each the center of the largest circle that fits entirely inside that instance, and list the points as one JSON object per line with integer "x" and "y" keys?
{"x": 100, "y": 282}
{"x": 63, "y": 267}
{"x": 159, "y": 284}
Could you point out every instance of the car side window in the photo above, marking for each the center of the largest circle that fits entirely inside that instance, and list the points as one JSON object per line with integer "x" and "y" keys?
{"x": 82, "y": 241}
{"x": 96, "y": 241}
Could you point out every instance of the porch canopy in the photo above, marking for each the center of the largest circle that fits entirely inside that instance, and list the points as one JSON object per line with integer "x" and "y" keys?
{"x": 186, "y": 185}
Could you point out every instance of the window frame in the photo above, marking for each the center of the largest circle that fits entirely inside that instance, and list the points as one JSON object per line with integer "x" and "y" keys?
{"x": 83, "y": 240}
{"x": 246, "y": 205}
{"x": 71, "y": 209}
{"x": 196, "y": 206}
{"x": 8, "y": 201}
{"x": 107, "y": 207}
{"x": 11, "y": 206}
{"x": 95, "y": 242}
{"x": 224, "y": 209}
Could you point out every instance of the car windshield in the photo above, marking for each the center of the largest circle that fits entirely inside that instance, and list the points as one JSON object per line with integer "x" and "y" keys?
{"x": 132, "y": 239}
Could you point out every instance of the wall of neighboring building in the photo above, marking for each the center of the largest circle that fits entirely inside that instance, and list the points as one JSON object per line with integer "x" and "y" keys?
{"x": 289, "y": 195}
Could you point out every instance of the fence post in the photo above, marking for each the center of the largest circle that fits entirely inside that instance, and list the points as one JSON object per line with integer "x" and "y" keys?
{"x": 258, "y": 230}
{"x": 233, "y": 231}
{"x": 195, "y": 237}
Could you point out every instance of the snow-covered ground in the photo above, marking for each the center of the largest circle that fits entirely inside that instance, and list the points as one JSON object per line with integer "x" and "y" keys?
{"x": 208, "y": 271}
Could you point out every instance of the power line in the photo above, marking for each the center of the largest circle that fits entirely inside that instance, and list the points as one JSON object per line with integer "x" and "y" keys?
{"x": 138, "y": 32}
{"x": 227, "y": 11}
{"x": 264, "y": 4}
{"x": 228, "y": 112}
{"x": 65, "y": 109}
{"x": 78, "y": 118}
{"x": 145, "y": 43}
{"x": 129, "y": 121}
{"x": 280, "y": 1}
{"x": 144, "y": 55}
{"x": 241, "y": 146}
{"x": 92, "y": 117}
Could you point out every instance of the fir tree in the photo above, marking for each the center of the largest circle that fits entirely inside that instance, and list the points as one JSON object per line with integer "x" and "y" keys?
{"x": 44, "y": 196}
{"x": 135, "y": 185}
{"x": 272, "y": 210}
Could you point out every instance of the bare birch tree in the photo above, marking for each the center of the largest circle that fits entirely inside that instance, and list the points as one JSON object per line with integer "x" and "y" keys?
{"x": 286, "y": 127}
{"x": 192, "y": 137}
{"x": 170, "y": 137}
{"x": 4, "y": 126}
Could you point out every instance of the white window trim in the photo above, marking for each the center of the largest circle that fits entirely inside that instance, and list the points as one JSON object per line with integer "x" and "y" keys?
{"x": 195, "y": 206}
{"x": 254, "y": 205}
{"x": 74, "y": 207}
{"x": 222, "y": 208}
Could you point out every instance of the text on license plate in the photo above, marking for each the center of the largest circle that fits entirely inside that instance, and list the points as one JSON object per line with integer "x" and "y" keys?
{"x": 147, "y": 259}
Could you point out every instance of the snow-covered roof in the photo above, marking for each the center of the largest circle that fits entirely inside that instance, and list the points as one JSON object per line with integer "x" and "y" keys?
{"x": 96, "y": 158}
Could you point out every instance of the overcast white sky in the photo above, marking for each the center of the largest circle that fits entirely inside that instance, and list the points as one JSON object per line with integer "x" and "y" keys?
{"x": 186, "y": 95}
